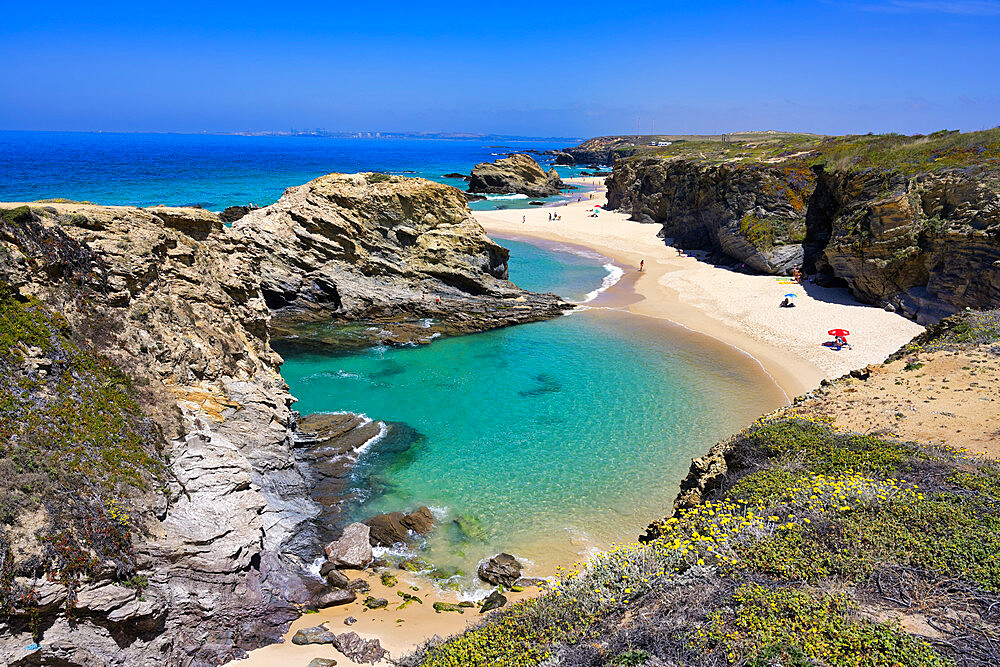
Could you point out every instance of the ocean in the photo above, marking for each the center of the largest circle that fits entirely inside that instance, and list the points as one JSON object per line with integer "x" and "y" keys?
{"x": 216, "y": 171}
{"x": 546, "y": 440}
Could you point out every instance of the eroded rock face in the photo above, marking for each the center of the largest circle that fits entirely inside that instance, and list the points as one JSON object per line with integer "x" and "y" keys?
{"x": 754, "y": 214}
{"x": 925, "y": 245}
{"x": 344, "y": 248}
{"x": 180, "y": 302}
{"x": 517, "y": 174}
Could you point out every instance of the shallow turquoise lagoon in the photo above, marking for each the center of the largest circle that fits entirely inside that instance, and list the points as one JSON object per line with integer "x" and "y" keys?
{"x": 548, "y": 439}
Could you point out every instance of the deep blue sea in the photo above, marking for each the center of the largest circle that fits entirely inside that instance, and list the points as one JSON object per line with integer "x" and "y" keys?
{"x": 215, "y": 171}
{"x": 546, "y": 440}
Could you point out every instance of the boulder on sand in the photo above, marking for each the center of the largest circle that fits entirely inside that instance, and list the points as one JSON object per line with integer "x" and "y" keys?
{"x": 395, "y": 527}
{"x": 353, "y": 549}
{"x": 367, "y": 651}
{"x": 501, "y": 570}
{"x": 335, "y": 597}
{"x": 494, "y": 600}
{"x": 316, "y": 635}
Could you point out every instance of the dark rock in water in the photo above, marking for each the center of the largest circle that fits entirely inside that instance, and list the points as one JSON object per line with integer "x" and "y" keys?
{"x": 464, "y": 177}
{"x": 368, "y": 651}
{"x": 337, "y": 579}
{"x": 335, "y": 598}
{"x": 494, "y": 600}
{"x": 375, "y": 603}
{"x": 353, "y": 549}
{"x": 501, "y": 570}
{"x": 415, "y": 564}
{"x": 359, "y": 586}
{"x": 395, "y": 527}
{"x": 322, "y": 662}
{"x": 470, "y": 196}
{"x": 350, "y": 620}
{"x": 234, "y": 213}
{"x": 316, "y": 635}
{"x": 536, "y": 203}
{"x": 564, "y": 158}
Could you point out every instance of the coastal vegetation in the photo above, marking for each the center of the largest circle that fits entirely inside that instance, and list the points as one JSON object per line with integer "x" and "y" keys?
{"x": 817, "y": 546}
{"x": 75, "y": 450}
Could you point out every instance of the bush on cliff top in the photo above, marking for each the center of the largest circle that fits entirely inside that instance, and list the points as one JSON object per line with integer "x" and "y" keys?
{"x": 73, "y": 443}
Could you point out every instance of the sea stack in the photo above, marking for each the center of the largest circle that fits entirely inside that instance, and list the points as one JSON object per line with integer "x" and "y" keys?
{"x": 517, "y": 174}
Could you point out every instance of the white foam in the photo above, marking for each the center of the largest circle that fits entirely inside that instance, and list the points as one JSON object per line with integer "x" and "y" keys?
{"x": 510, "y": 196}
{"x": 383, "y": 428}
{"x": 313, "y": 568}
{"x": 615, "y": 274}
{"x": 440, "y": 513}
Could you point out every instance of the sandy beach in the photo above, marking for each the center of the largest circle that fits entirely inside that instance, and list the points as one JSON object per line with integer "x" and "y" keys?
{"x": 737, "y": 309}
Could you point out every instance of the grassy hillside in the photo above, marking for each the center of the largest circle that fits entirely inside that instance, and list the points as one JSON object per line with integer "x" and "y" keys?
{"x": 809, "y": 546}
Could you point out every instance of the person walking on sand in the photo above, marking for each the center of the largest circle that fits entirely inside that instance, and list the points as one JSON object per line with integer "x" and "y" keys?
{"x": 642, "y": 263}
{"x": 524, "y": 219}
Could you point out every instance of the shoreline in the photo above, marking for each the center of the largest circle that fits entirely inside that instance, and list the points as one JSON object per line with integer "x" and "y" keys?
{"x": 736, "y": 309}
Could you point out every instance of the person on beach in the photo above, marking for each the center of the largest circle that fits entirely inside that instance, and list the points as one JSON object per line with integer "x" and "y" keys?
{"x": 524, "y": 219}
{"x": 642, "y": 263}
{"x": 787, "y": 303}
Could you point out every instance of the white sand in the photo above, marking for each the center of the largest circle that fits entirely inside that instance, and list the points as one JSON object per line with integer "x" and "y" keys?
{"x": 740, "y": 310}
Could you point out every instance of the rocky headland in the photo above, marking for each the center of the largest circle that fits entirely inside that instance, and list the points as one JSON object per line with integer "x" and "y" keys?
{"x": 517, "y": 174}
{"x": 908, "y": 223}
{"x": 160, "y": 501}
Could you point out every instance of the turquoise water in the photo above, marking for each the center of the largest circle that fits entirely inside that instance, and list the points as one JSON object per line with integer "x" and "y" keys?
{"x": 553, "y": 438}
{"x": 215, "y": 171}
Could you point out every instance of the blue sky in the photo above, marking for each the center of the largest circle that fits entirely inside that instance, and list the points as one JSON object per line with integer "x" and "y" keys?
{"x": 533, "y": 68}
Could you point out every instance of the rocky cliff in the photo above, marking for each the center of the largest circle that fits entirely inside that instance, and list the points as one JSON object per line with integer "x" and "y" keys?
{"x": 344, "y": 248}
{"x": 518, "y": 173}
{"x": 916, "y": 228}
{"x": 159, "y": 503}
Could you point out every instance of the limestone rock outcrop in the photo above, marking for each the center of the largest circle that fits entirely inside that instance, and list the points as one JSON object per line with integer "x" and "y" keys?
{"x": 344, "y": 248}
{"x": 181, "y": 307}
{"x": 926, "y": 245}
{"x": 517, "y": 174}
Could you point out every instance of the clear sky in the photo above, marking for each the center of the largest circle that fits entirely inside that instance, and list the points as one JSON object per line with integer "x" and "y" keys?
{"x": 533, "y": 68}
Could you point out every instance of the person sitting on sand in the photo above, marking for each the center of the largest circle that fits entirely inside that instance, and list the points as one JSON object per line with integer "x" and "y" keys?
{"x": 787, "y": 303}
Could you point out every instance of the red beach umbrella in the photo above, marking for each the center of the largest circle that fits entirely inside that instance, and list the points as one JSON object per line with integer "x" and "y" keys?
{"x": 839, "y": 332}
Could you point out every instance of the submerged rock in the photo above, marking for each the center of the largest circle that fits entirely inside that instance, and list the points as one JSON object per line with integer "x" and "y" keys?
{"x": 353, "y": 549}
{"x": 395, "y": 527}
{"x": 500, "y": 570}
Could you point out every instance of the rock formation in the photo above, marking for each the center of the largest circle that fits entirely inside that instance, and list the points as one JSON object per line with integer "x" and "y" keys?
{"x": 344, "y": 248}
{"x": 396, "y": 527}
{"x": 926, "y": 244}
{"x": 162, "y": 316}
{"x": 500, "y": 570}
{"x": 517, "y": 174}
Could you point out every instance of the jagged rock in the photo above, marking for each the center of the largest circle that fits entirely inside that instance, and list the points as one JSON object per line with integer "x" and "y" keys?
{"x": 500, "y": 570}
{"x": 354, "y": 247}
{"x": 395, "y": 527}
{"x": 350, "y": 620}
{"x": 367, "y": 651}
{"x": 233, "y": 213}
{"x": 335, "y": 597}
{"x": 376, "y": 603}
{"x": 564, "y": 158}
{"x": 518, "y": 173}
{"x": 924, "y": 245}
{"x": 316, "y": 635}
{"x": 494, "y": 600}
{"x": 353, "y": 549}
{"x": 336, "y": 578}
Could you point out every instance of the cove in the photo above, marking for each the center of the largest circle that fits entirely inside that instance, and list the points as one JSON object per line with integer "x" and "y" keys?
{"x": 546, "y": 440}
